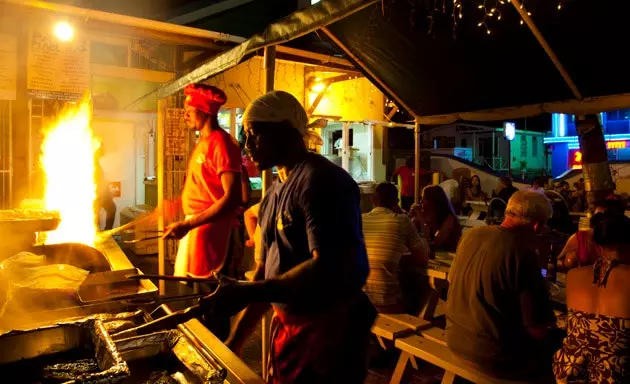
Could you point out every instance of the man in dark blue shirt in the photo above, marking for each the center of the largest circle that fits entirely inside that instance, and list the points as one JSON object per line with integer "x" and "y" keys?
{"x": 315, "y": 263}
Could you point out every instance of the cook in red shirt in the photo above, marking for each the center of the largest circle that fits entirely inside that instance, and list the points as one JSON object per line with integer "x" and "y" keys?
{"x": 406, "y": 173}
{"x": 212, "y": 190}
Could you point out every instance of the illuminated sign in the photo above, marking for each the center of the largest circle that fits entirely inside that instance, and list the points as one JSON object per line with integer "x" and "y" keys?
{"x": 616, "y": 144}
{"x": 509, "y": 130}
{"x": 575, "y": 159}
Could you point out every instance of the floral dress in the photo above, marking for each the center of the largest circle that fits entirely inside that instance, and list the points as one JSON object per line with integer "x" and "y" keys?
{"x": 597, "y": 347}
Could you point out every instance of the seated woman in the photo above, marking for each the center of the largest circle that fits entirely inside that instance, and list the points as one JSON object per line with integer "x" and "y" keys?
{"x": 435, "y": 218}
{"x": 580, "y": 250}
{"x": 474, "y": 192}
{"x": 597, "y": 346}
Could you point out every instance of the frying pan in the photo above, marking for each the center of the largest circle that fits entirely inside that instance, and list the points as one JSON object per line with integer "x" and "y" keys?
{"x": 113, "y": 285}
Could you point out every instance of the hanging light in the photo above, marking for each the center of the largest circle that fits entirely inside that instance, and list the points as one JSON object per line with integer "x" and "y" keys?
{"x": 63, "y": 31}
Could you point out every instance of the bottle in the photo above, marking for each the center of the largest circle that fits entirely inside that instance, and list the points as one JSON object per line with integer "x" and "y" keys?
{"x": 552, "y": 266}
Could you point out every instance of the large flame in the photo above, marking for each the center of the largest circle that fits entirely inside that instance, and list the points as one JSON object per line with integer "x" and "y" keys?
{"x": 68, "y": 162}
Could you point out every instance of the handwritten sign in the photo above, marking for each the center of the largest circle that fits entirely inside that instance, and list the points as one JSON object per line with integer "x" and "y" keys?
{"x": 8, "y": 67}
{"x": 176, "y": 134}
{"x": 57, "y": 69}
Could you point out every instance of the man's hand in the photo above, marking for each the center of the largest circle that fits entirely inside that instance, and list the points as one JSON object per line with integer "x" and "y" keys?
{"x": 177, "y": 230}
{"x": 227, "y": 300}
{"x": 250, "y": 243}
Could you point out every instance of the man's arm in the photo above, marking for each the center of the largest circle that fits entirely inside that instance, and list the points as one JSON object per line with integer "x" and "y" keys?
{"x": 537, "y": 314}
{"x": 231, "y": 199}
{"x": 250, "y": 218}
{"x": 445, "y": 230}
{"x": 246, "y": 190}
{"x": 418, "y": 246}
{"x": 249, "y": 318}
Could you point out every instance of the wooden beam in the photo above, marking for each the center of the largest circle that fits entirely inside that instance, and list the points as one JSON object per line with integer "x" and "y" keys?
{"x": 208, "y": 11}
{"x": 135, "y": 22}
{"x": 314, "y": 56}
{"x": 518, "y": 5}
{"x": 367, "y": 70}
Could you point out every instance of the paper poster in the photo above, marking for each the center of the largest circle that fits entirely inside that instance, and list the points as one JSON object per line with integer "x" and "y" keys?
{"x": 176, "y": 134}
{"x": 57, "y": 69}
{"x": 8, "y": 67}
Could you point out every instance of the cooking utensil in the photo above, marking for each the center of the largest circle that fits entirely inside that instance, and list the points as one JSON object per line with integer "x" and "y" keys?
{"x": 166, "y": 322}
{"x": 143, "y": 239}
{"x": 113, "y": 285}
{"x": 75, "y": 254}
{"x": 174, "y": 278}
{"x": 139, "y": 220}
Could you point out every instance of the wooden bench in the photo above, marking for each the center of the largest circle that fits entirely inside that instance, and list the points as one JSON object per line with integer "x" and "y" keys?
{"x": 392, "y": 326}
{"x": 416, "y": 346}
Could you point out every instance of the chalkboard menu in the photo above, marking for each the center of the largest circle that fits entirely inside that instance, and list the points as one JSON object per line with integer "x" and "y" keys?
{"x": 56, "y": 69}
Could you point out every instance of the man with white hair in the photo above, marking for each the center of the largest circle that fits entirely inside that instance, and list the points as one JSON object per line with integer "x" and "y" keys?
{"x": 498, "y": 308}
{"x": 315, "y": 262}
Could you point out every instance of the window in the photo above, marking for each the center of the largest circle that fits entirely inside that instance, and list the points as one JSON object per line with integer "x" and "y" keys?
{"x": 534, "y": 146}
{"x": 523, "y": 146}
{"x": 108, "y": 54}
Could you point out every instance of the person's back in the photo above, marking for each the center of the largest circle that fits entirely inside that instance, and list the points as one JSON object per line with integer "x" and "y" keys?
{"x": 497, "y": 298}
{"x": 597, "y": 347}
{"x": 387, "y": 236}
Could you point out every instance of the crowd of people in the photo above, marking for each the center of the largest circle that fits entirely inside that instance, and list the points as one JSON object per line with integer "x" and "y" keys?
{"x": 326, "y": 270}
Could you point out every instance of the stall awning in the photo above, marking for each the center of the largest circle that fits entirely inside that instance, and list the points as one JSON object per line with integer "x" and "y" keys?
{"x": 463, "y": 71}
{"x": 291, "y": 27}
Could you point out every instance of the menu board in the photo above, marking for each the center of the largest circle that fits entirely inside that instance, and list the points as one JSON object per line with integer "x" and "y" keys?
{"x": 8, "y": 67}
{"x": 176, "y": 134}
{"x": 57, "y": 69}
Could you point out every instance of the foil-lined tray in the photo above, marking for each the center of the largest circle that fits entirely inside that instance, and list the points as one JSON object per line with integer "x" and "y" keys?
{"x": 79, "y": 351}
{"x": 162, "y": 357}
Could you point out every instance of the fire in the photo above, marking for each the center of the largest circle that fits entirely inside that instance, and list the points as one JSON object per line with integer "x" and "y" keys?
{"x": 68, "y": 163}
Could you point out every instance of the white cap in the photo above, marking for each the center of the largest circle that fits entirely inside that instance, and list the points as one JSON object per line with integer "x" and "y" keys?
{"x": 277, "y": 106}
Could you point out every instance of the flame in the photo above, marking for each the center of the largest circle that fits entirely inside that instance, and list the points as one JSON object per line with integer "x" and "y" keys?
{"x": 68, "y": 162}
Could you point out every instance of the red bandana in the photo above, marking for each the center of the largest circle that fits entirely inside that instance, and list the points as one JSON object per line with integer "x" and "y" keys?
{"x": 205, "y": 98}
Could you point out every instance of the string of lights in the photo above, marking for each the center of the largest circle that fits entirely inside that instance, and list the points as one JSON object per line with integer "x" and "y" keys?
{"x": 491, "y": 11}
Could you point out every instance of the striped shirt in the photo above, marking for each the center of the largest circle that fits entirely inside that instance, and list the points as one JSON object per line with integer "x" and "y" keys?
{"x": 388, "y": 235}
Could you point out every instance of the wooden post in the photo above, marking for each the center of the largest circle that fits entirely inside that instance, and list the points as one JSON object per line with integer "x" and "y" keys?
{"x": 416, "y": 134}
{"x": 598, "y": 181}
{"x": 159, "y": 132}
{"x": 269, "y": 65}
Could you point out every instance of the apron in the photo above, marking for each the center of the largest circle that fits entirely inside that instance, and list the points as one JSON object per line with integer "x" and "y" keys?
{"x": 204, "y": 249}
{"x": 329, "y": 347}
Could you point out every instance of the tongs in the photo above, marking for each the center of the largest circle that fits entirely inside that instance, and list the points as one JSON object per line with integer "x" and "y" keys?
{"x": 167, "y": 322}
{"x": 134, "y": 241}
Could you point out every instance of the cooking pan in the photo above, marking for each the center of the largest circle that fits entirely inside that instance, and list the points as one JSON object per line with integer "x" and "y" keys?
{"x": 114, "y": 285}
{"x": 75, "y": 254}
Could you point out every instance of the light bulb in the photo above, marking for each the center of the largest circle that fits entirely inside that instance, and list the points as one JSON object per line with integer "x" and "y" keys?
{"x": 64, "y": 31}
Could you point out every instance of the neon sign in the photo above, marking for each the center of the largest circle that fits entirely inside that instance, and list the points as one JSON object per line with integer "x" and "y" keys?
{"x": 575, "y": 159}
{"x": 616, "y": 144}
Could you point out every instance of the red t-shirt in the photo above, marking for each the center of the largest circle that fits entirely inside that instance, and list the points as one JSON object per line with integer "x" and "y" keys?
{"x": 252, "y": 171}
{"x": 215, "y": 154}
{"x": 407, "y": 176}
